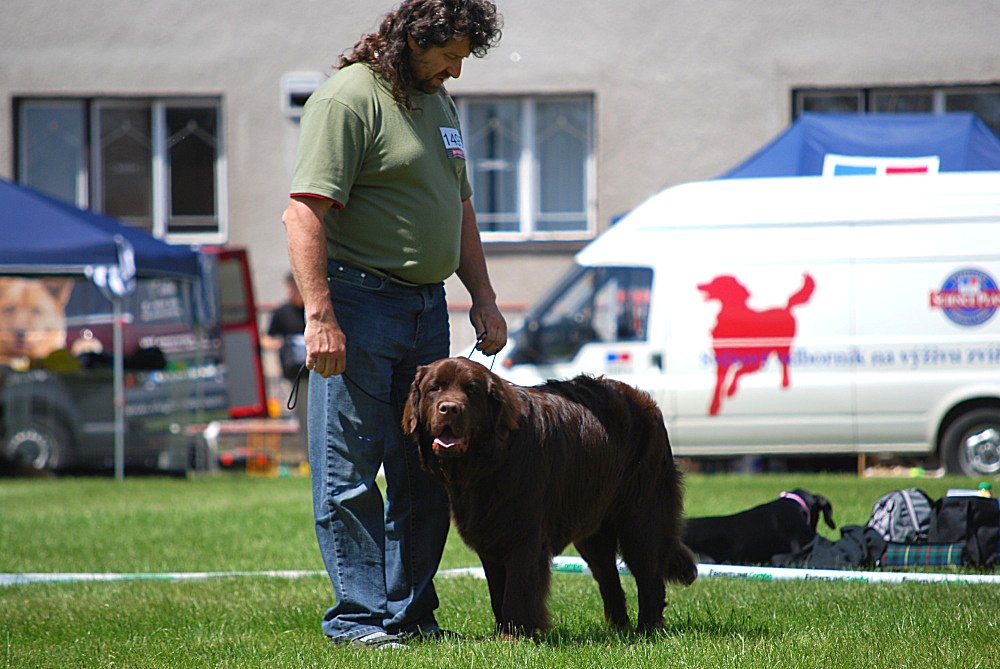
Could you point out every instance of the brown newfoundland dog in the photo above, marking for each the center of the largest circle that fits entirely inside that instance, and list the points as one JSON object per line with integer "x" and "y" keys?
{"x": 531, "y": 470}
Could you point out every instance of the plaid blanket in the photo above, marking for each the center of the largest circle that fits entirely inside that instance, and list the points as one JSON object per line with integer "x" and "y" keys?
{"x": 913, "y": 555}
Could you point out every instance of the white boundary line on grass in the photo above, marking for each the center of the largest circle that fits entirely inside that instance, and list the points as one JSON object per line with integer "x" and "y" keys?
{"x": 560, "y": 564}
{"x": 74, "y": 577}
{"x": 575, "y": 565}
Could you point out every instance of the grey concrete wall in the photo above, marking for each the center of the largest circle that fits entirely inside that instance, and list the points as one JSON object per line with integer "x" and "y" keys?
{"x": 684, "y": 89}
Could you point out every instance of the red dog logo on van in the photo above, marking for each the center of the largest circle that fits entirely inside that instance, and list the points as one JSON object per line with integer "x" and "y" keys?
{"x": 743, "y": 339}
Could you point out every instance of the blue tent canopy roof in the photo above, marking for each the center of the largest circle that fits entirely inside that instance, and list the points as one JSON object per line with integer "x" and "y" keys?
{"x": 42, "y": 235}
{"x": 961, "y": 141}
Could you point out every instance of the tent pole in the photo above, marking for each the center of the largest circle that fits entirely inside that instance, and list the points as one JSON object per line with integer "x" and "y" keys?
{"x": 119, "y": 391}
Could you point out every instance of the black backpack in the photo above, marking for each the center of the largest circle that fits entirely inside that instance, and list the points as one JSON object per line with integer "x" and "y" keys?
{"x": 903, "y": 516}
{"x": 973, "y": 520}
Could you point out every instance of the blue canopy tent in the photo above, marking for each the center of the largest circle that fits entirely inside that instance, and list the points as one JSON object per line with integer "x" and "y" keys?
{"x": 43, "y": 236}
{"x": 961, "y": 142}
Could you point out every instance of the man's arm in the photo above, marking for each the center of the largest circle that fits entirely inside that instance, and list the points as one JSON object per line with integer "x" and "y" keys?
{"x": 489, "y": 323}
{"x": 326, "y": 349}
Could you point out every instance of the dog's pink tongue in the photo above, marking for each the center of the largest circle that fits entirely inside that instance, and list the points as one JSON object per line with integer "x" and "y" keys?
{"x": 445, "y": 443}
{"x": 450, "y": 447}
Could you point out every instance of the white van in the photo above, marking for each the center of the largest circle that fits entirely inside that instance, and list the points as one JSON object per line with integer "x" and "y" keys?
{"x": 805, "y": 315}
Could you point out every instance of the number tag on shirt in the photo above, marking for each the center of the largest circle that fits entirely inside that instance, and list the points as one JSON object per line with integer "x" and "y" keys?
{"x": 453, "y": 142}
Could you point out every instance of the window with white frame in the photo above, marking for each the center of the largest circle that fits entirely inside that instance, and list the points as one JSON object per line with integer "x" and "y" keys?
{"x": 531, "y": 163}
{"x": 157, "y": 164}
{"x": 983, "y": 100}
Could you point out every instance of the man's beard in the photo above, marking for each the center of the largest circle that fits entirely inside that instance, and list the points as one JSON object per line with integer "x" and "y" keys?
{"x": 431, "y": 85}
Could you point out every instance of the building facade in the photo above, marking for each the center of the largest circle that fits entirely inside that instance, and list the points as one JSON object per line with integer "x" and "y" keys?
{"x": 182, "y": 117}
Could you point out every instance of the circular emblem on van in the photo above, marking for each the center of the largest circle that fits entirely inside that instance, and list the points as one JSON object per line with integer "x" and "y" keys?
{"x": 968, "y": 297}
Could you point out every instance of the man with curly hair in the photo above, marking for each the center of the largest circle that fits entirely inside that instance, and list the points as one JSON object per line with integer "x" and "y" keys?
{"x": 380, "y": 215}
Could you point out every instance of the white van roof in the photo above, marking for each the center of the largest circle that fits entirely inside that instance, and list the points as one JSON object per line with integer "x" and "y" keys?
{"x": 798, "y": 201}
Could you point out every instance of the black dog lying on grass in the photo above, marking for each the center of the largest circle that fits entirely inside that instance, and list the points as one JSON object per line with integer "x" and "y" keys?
{"x": 754, "y": 536}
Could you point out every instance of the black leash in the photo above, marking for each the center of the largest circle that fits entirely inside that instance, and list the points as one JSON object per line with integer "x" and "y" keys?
{"x": 493, "y": 358}
{"x": 293, "y": 397}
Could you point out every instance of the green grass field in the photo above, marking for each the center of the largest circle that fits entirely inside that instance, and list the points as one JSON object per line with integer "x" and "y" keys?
{"x": 148, "y": 525}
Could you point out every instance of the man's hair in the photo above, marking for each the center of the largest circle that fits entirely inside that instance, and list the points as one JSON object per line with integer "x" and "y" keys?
{"x": 429, "y": 23}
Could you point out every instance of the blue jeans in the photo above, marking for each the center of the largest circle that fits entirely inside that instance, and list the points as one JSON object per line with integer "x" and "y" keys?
{"x": 381, "y": 558}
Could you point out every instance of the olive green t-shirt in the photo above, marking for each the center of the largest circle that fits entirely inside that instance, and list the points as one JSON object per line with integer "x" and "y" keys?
{"x": 400, "y": 176}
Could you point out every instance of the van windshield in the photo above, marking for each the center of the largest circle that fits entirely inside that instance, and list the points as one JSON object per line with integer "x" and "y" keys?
{"x": 592, "y": 304}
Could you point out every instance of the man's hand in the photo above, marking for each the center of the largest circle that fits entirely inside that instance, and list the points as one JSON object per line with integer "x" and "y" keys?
{"x": 326, "y": 348}
{"x": 490, "y": 326}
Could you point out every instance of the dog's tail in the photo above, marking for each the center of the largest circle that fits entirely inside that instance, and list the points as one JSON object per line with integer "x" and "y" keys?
{"x": 805, "y": 292}
{"x": 682, "y": 566}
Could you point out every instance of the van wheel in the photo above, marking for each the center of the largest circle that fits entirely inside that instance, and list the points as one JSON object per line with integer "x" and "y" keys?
{"x": 971, "y": 444}
{"x": 39, "y": 445}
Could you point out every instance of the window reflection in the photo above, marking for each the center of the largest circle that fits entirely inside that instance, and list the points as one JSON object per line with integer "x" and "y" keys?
{"x": 595, "y": 304}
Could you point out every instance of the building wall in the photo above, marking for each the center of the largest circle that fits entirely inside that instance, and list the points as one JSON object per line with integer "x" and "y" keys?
{"x": 684, "y": 89}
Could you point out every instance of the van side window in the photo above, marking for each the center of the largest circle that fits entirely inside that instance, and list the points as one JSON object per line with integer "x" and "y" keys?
{"x": 596, "y": 304}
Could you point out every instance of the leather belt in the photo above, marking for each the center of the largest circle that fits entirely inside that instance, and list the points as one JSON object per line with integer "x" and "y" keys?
{"x": 380, "y": 273}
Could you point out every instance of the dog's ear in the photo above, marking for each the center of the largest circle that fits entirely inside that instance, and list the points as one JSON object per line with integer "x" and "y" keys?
{"x": 411, "y": 408}
{"x": 59, "y": 289}
{"x": 823, "y": 504}
{"x": 506, "y": 405}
